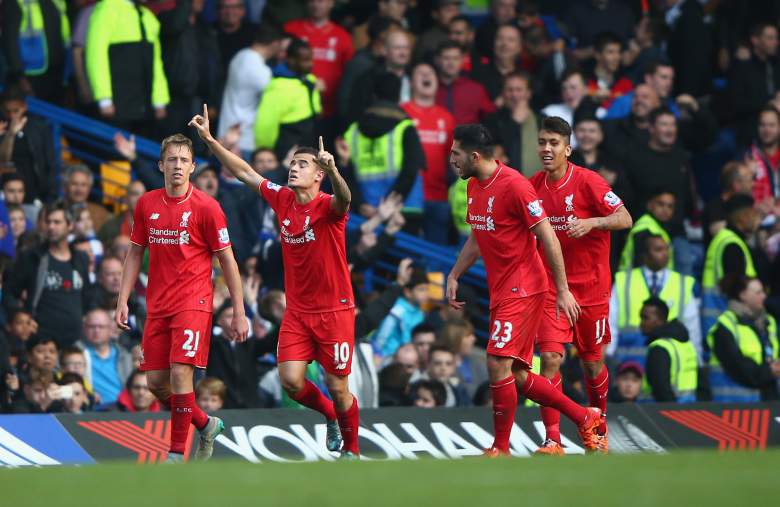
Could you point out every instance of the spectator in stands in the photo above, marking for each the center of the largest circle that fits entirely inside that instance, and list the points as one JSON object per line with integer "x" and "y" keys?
{"x": 459, "y": 336}
{"x": 441, "y": 367}
{"x": 84, "y": 230}
{"x": 394, "y": 385}
{"x": 122, "y": 223}
{"x": 444, "y": 11}
{"x": 462, "y": 33}
{"x": 52, "y": 281}
{"x": 396, "y": 329}
{"x": 672, "y": 360}
{"x": 765, "y": 154}
{"x": 248, "y": 76}
{"x": 367, "y": 244}
{"x": 407, "y": 356}
{"x": 736, "y": 178}
{"x": 77, "y": 184}
{"x": 192, "y": 62}
{"x": 18, "y": 329}
{"x": 370, "y": 147}
{"x": 587, "y": 20}
{"x": 661, "y": 162}
{"x": 434, "y": 126}
{"x": 331, "y": 46}
{"x": 18, "y": 223}
{"x": 41, "y": 356}
{"x": 605, "y": 83}
{"x": 504, "y": 61}
{"x": 745, "y": 353}
{"x": 502, "y": 13}
{"x": 35, "y": 396}
{"x": 658, "y": 75}
{"x": 428, "y": 394}
{"x": 28, "y": 144}
{"x": 78, "y": 401}
{"x": 36, "y": 36}
{"x": 590, "y": 151}
{"x": 136, "y": 396}
{"x": 394, "y": 10}
{"x": 515, "y": 126}
{"x": 646, "y": 46}
{"x": 290, "y": 104}
{"x": 397, "y": 55}
{"x": 423, "y": 337}
{"x": 628, "y": 383}
{"x": 689, "y": 46}
{"x": 74, "y": 360}
{"x": 109, "y": 278}
{"x": 363, "y": 60}
{"x": 576, "y": 102}
{"x": 109, "y": 363}
{"x": 466, "y": 99}
{"x": 656, "y": 221}
{"x": 234, "y": 32}
{"x": 211, "y": 394}
{"x": 623, "y": 135}
{"x": 129, "y": 96}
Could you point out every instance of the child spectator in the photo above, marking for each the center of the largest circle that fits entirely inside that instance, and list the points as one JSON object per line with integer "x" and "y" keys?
{"x": 428, "y": 394}
{"x": 136, "y": 396}
{"x": 441, "y": 367}
{"x": 210, "y": 394}
{"x": 396, "y": 329}
{"x": 628, "y": 383}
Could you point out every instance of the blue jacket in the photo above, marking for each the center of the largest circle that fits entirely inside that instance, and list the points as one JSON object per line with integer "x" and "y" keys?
{"x": 396, "y": 329}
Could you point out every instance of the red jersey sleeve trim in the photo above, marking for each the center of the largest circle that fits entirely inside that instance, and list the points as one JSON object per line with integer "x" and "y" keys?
{"x": 137, "y": 244}
{"x": 538, "y": 222}
{"x": 220, "y": 249}
{"x": 621, "y": 205}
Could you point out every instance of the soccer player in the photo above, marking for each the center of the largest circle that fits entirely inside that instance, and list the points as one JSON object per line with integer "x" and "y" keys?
{"x": 507, "y": 220}
{"x": 183, "y": 228}
{"x": 319, "y": 323}
{"x": 583, "y": 210}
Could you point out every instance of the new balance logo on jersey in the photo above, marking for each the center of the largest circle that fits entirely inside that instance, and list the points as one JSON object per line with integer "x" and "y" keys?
{"x": 154, "y": 216}
{"x": 569, "y": 200}
{"x": 184, "y": 238}
{"x": 185, "y": 219}
{"x": 490, "y": 204}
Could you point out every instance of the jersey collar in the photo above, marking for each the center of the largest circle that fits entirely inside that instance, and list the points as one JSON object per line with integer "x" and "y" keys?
{"x": 169, "y": 200}
{"x": 566, "y": 178}
{"x": 492, "y": 178}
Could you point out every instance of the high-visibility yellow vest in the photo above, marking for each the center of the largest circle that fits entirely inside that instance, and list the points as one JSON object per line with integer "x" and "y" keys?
{"x": 646, "y": 223}
{"x": 713, "y": 261}
{"x": 724, "y": 388}
{"x": 31, "y": 28}
{"x": 683, "y": 370}
{"x": 459, "y": 204}
{"x": 536, "y": 367}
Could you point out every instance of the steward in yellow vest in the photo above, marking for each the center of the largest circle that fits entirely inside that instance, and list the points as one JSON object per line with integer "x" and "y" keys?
{"x": 660, "y": 209}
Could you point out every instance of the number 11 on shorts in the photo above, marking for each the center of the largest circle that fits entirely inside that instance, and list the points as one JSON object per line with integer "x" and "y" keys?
{"x": 341, "y": 355}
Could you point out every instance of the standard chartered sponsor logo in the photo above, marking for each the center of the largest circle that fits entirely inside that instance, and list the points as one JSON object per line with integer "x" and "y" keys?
{"x": 561, "y": 223}
{"x": 163, "y": 236}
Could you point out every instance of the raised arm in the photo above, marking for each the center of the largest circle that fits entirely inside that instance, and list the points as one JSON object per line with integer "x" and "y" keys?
{"x": 235, "y": 164}
{"x": 467, "y": 257}
{"x": 342, "y": 197}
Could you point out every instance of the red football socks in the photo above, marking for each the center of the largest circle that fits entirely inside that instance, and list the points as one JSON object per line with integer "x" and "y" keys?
{"x": 598, "y": 388}
{"x": 552, "y": 417}
{"x": 199, "y": 417}
{"x": 541, "y": 390}
{"x": 504, "y": 406}
{"x": 310, "y": 396}
{"x": 181, "y": 417}
{"x": 349, "y": 421}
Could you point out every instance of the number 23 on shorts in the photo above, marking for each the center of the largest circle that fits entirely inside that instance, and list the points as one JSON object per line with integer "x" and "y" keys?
{"x": 502, "y": 333}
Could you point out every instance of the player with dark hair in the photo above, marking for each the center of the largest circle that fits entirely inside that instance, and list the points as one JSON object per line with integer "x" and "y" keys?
{"x": 583, "y": 210}
{"x": 319, "y": 323}
{"x": 507, "y": 220}
{"x": 183, "y": 228}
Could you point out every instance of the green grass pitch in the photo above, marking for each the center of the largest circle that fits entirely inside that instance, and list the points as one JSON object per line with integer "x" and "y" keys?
{"x": 743, "y": 479}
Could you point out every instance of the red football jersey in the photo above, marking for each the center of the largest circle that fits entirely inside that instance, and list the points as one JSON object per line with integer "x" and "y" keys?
{"x": 332, "y": 48}
{"x": 501, "y": 212}
{"x": 181, "y": 233}
{"x": 434, "y": 125}
{"x": 581, "y": 193}
{"x": 313, "y": 236}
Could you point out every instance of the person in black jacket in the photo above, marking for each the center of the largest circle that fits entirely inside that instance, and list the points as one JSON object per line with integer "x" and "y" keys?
{"x": 690, "y": 48}
{"x": 52, "y": 282}
{"x": 29, "y": 145}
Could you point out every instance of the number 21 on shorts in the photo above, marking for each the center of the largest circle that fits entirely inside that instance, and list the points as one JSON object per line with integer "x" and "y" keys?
{"x": 341, "y": 355}
{"x": 189, "y": 346}
{"x": 502, "y": 333}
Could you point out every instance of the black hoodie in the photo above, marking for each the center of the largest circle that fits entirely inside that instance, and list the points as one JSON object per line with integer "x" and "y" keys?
{"x": 658, "y": 365}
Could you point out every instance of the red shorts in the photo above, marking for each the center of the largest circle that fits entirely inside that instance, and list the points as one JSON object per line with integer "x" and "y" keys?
{"x": 326, "y": 337}
{"x": 181, "y": 338}
{"x": 589, "y": 334}
{"x": 514, "y": 324}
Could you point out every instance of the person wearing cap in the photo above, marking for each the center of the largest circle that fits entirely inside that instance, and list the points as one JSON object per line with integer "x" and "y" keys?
{"x": 744, "y": 362}
{"x": 728, "y": 253}
{"x": 653, "y": 278}
{"x": 671, "y": 363}
{"x": 628, "y": 383}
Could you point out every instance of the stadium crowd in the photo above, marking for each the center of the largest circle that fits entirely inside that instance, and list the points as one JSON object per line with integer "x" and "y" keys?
{"x": 675, "y": 103}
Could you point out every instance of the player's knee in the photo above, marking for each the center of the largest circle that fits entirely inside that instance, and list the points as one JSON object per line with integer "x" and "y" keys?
{"x": 338, "y": 387}
{"x": 593, "y": 368}
{"x": 499, "y": 368}
{"x": 292, "y": 384}
{"x": 551, "y": 363}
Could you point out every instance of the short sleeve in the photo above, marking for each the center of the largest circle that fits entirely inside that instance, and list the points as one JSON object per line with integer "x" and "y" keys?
{"x": 272, "y": 193}
{"x": 327, "y": 209}
{"x": 524, "y": 203}
{"x": 602, "y": 198}
{"x": 214, "y": 229}
{"x": 139, "y": 234}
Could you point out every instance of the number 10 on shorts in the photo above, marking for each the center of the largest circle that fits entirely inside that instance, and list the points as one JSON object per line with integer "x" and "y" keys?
{"x": 191, "y": 348}
{"x": 341, "y": 355}
{"x": 502, "y": 333}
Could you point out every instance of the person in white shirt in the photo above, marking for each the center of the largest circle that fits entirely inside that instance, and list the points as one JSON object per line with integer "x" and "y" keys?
{"x": 574, "y": 93}
{"x": 248, "y": 76}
